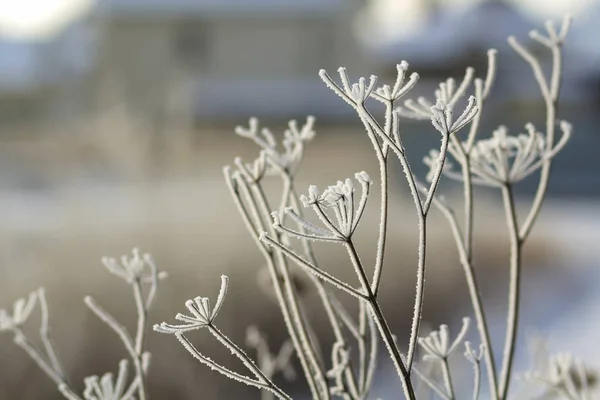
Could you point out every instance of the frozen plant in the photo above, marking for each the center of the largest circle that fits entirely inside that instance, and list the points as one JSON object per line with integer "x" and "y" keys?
{"x": 138, "y": 271}
{"x": 285, "y": 228}
{"x": 567, "y": 376}
{"x": 285, "y": 235}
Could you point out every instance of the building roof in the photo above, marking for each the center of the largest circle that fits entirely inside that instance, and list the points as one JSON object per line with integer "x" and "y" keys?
{"x": 221, "y": 7}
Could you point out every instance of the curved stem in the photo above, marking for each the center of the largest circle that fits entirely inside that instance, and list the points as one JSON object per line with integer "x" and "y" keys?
{"x": 551, "y": 100}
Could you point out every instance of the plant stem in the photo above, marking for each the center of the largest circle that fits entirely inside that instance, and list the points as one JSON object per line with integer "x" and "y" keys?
{"x": 514, "y": 290}
{"x": 447, "y": 378}
{"x": 475, "y": 295}
{"x": 140, "y": 337}
{"x": 255, "y": 227}
{"x": 380, "y": 321}
{"x": 289, "y": 292}
{"x": 243, "y": 357}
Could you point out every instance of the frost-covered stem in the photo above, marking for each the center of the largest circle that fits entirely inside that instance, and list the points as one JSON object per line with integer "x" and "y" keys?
{"x": 422, "y": 211}
{"x": 437, "y": 173}
{"x": 323, "y": 293}
{"x": 476, "y": 298}
{"x": 476, "y": 380}
{"x": 298, "y": 323}
{"x": 140, "y": 338}
{"x": 22, "y": 341}
{"x": 468, "y": 198}
{"x": 372, "y": 355}
{"x": 447, "y": 378}
{"x": 390, "y": 343}
{"x": 398, "y": 149}
{"x": 358, "y": 268}
{"x": 422, "y": 222}
{"x": 311, "y": 268}
{"x": 261, "y": 384}
{"x": 381, "y": 152}
{"x": 466, "y": 166}
{"x": 419, "y": 292}
{"x": 45, "y": 336}
{"x": 431, "y": 384}
{"x": 122, "y": 333}
{"x": 550, "y": 95}
{"x": 514, "y": 290}
{"x": 400, "y": 153}
{"x": 243, "y": 357}
{"x": 239, "y": 188}
{"x": 381, "y": 323}
{"x": 68, "y": 393}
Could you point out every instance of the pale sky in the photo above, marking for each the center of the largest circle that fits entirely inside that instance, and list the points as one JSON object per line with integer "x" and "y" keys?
{"x": 41, "y": 18}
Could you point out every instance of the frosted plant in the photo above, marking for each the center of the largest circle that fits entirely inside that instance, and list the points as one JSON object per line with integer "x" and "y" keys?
{"x": 138, "y": 271}
{"x": 285, "y": 238}
{"x": 46, "y": 358}
{"x": 566, "y": 375}
{"x": 269, "y": 363}
{"x": 203, "y": 316}
{"x": 474, "y": 357}
{"x": 503, "y": 159}
{"x": 340, "y": 200}
{"x": 105, "y": 387}
{"x": 500, "y": 161}
{"x": 438, "y": 347}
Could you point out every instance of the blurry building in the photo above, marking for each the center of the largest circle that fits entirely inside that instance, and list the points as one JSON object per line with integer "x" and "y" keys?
{"x": 239, "y": 58}
{"x": 455, "y": 39}
{"x": 45, "y": 78}
{"x": 23, "y": 87}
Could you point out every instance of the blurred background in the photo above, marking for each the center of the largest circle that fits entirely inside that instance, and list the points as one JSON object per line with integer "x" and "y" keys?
{"x": 117, "y": 116}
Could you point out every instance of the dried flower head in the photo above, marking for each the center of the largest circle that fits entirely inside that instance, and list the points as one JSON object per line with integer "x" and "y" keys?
{"x": 137, "y": 267}
{"x": 473, "y": 355}
{"x": 105, "y": 387}
{"x": 340, "y": 200}
{"x": 288, "y": 158}
{"x": 386, "y": 93}
{"x": 437, "y": 344}
{"x": 22, "y": 309}
{"x": 566, "y": 374}
{"x": 202, "y": 314}
{"x": 503, "y": 158}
